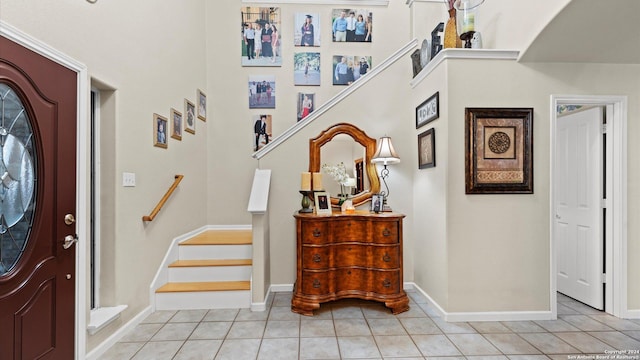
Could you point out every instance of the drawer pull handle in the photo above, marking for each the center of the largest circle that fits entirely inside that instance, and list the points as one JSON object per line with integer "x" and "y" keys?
{"x": 386, "y": 257}
{"x": 386, "y": 232}
{"x": 316, "y": 233}
{"x": 316, "y": 258}
{"x": 316, "y": 283}
{"x": 386, "y": 283}
{"x": 349, "y": 272}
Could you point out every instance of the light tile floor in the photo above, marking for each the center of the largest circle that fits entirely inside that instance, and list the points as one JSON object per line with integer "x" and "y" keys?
{"x": 356, "y": 329}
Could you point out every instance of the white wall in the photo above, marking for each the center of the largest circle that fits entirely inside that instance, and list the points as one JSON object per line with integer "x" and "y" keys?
{"x": 497, "y": 246}
{"x": 152, "y": 54}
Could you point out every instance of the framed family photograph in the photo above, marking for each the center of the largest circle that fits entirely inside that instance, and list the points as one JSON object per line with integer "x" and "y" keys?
{"x": 377, "y": 203}
{"x": 260, "y": 36}
{"x": 351, "y": 25}
{"x": 262, "y": 92}
{"x": 350, "y": 68}
{"x": 202, "y": 105}
{"x": 427, "y": 149}
{"x": 428, "y": 111}
{"x": 190, "y": 117}
{"x": 322, "y": 202}
{"x": 306, "y": 30}
{"x": 306, "y": 68}
{"x": 499, "y": 150}
{"x": 176, "y": 124}
{"x": 160, "y": 131}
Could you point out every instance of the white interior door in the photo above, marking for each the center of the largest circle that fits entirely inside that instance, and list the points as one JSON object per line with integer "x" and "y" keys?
{"x": 578, "y": 218}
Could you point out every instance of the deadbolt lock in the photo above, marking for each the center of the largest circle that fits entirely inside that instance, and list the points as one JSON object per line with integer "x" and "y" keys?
{"x": 69, "y": 219}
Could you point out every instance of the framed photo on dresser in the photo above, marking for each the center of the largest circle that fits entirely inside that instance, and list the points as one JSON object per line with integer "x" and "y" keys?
{"x": 323, "y": 203}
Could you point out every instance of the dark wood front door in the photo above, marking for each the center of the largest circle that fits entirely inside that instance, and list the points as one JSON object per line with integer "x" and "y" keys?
{"x": 37, "y": 190}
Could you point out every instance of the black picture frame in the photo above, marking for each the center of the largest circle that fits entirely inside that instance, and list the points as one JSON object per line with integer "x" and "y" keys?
{"x": 499, "y": 150}
{"x": 428, "y": 111}
{"x": 427, "y": 149}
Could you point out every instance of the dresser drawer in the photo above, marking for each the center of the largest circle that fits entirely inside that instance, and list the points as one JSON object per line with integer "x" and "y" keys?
{"x": 386, "y": 282}
{"x": 376, "y": 281}
{"x": 385, "y": 232}
{"x": 349, "y": 230}
{"x": 315, "y": 232}
{"x": 316, "y": 257}
{"x": 317, "y": 282}
{"x": 385, "y": 257}
{"x": 369, "y": 256}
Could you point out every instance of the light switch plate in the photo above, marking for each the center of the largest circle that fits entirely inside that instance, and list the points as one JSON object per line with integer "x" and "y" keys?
{"x": 128, "y": 179}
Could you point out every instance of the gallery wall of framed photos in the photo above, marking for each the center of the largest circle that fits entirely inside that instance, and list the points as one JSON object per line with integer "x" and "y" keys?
{"x": 176, "y": 122}
{"x": 306, "y": 53}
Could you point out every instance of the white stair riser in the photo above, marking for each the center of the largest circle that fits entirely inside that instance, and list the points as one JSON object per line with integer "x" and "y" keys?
{"x": 214, "y": 252}
{"x": 209, "y": 273}
{"x": 203, "y": 300}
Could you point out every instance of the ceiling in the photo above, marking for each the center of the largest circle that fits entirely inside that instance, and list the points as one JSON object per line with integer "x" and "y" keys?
{"x": 590, "y": 31}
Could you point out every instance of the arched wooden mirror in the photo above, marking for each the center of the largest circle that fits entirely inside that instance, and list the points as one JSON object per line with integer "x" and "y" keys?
{"x": 363, "y": 169}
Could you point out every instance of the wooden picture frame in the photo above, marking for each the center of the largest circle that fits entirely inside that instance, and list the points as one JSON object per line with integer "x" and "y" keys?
{"x": 499, "y": 150}
{"x": 322, "y": 202}
{"x": 202, "y": 105}
{"x": 428, "y": 111}
{"x": 190, "y": 117}
{"x": 160, "y": 131}
{"x": 176, "y": 124}
{"x": 427, "y": 149}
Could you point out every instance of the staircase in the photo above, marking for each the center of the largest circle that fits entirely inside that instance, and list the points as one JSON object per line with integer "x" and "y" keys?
{"x": 213, "y": 271}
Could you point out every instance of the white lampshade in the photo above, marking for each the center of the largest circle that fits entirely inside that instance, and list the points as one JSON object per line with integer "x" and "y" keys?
{"x": 385, "y": 153}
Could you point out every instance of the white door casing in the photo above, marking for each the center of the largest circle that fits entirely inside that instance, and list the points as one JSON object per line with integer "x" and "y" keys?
{"x": 578, "y": 218}
{"x": 616, "y": 189}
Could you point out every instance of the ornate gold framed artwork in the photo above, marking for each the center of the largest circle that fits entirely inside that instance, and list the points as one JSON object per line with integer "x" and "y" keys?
{"x": 499, "y": 150}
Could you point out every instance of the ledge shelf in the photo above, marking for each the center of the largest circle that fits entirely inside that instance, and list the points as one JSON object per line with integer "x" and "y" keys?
{"x": 472, "y": 54}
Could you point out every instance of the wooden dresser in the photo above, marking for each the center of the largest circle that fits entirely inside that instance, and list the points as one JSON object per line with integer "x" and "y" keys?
{"x": 349, "y": 256}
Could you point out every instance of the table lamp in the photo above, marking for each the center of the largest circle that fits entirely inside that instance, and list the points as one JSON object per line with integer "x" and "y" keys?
{"x": 386, "y": 155}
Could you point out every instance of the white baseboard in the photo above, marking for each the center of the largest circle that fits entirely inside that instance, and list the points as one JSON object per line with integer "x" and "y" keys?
{"x": 280, "y": 287}
{"x": 484, "y": 315}
{"x": 262, "y": 306}
{"x": 632, "y": 314}
{"x": 99, "y": 350}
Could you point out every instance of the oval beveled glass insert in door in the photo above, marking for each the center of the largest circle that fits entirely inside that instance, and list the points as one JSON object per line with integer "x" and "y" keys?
{"x": 17, "y": 178}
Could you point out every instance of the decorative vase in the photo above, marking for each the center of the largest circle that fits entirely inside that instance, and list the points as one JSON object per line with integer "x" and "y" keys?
{"x": 451, "y": 38}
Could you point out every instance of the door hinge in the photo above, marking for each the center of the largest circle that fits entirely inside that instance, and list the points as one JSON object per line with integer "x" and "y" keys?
{"x": 604, "y": 203}
{"x": 604, "y": 278}
{"x": 604, "y": 128}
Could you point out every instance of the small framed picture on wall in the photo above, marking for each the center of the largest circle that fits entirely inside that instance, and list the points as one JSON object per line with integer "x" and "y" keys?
{"x": 202, "y": 105}
{"x": 176, "y": 124}
{"x": 190, "y": 117}
{"x": 428, "y": 111}
{"x": 427, "y": 149}
{"x": 160, "y": 131}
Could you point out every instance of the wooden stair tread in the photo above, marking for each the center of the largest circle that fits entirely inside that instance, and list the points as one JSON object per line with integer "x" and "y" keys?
{"x": 203, "y": 263}
{"x": 204, "y": 286}
{"x": 221, "y": 237}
